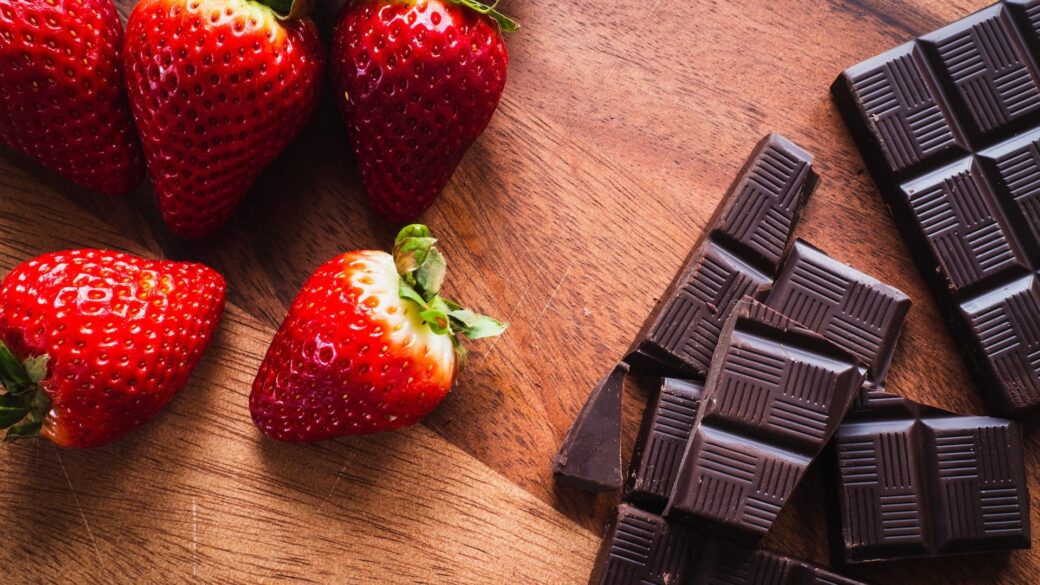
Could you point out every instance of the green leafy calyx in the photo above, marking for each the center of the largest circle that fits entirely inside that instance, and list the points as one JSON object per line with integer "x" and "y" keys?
{"x": 423, "y": 268}
{"x": 288, "y": 9}
{"x": 508, "y": 24}
{"x": 23, "y": 403}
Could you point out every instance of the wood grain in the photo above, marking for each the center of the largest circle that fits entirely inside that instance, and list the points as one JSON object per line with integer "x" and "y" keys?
{"x": 622, "y": 125}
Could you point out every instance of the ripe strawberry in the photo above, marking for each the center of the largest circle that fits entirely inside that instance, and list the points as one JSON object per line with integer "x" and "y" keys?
{"x": 417, "y": 82}
{"x": 367, "y": 346}
{"x": 93, "y": 343}
{"x": 61, "y": 91}
{"x": 218, "y": 88}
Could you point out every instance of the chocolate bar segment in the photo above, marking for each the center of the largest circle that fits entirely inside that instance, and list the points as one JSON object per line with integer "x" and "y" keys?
{"x": 667, "y": 424}
{"x": 774, "y": 396}
{"x": 590, "y": 456}
{"x": 737, "y": 256}
{"x": 916, "y": 481}
{"x": 949, "y": 126}
{"x": 642, "y": 548}
{"x": 851, "y": 309}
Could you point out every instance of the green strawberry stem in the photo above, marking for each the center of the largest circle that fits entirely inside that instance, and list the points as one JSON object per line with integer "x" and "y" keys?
{"x": 508, "y": 24}
{"x": 23, "y": 404}
{"x": 422, "y": 269}
{"x": 288, "y": 9}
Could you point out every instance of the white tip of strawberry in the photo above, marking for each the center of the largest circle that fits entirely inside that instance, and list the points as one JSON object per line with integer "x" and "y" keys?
{"x": 422, "y": 269}
{"x": 375, "y": 274}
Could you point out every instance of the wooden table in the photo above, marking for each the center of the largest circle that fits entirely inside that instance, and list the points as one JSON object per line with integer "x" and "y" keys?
{"x": 622, "y": 125}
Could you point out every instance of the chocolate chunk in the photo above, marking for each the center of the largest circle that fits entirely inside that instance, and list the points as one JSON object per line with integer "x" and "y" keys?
{"x": 642, "y": 548}
{"x": 737, "y": 256}
{"x": 590, "y": 457}
{"x": 852, "y": 310}
{"x": 915, "y": 481}
{"x": 667, "y": 423}
{"x": 775, "y": 394}
{"x": 949, "y": 126}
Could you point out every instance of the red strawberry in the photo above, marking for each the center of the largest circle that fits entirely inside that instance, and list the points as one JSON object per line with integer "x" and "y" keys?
{"x": 93, "y": 343}
{"x": 367, "y": 346}
{"x": 417, "y": 82}
{"x": 61, "y": 91}
{"x": 219, "y": 88}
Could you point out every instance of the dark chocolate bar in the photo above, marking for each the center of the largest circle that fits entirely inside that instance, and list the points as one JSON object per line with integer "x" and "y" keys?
{"x": 590, "y": 456}
{"x": 949, "y": 126}
{"x": 852, "y": 310}
{"x": 667, "y": 423}
{"x": 737, "y": 256}
{"x": 775, "y": 394}
{"x": 641, "y": 548}
{"x": 916, "y": 481}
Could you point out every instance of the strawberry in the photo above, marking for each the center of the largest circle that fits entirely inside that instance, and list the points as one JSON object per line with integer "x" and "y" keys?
{"x": 93, "y": 343}
{"x": 417, "y": 82}
{"x": 218, "y": 88}
{"x": 61, "y": 91}
{"x": 367, "y": 346}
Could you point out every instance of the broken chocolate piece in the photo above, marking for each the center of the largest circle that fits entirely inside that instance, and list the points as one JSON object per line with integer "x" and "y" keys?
{"x": 774, "y": 396}
{"x": 949, "y": 126}
{"x": 590, "y": 457}
{"x": 916, "y": 481}
{"x": 641, "y": 548}
{"x": 667, "y": 424}
{"x": 852, "y": 310}
{"x": 737, "y": 256}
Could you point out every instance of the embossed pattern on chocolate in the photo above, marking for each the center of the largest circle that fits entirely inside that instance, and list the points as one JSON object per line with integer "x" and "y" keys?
{"x": 949, "y": 125}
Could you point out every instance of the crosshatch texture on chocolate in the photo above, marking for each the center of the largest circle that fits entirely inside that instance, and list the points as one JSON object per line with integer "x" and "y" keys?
{"x": 949, "y": 125}
{"x": 642, "y": 548}
{"x": 775, "y": 394}
{"x": 738, "y": 256}
{"x": 913, "y": 481}
{"x": 851, "y": 309}
{"x": 667, "y": 423}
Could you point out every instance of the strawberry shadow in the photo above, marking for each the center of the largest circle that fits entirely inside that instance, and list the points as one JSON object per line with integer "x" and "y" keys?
{"x": 331, "y": 476}
{"x": 66, "y": 502}
{"x": 81, "y": 504}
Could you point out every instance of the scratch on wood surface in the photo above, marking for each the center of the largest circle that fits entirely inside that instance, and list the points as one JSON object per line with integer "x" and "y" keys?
{"x": 512, "y": 313}
{"x": 328, "y": 496}
{"x": 609, "y": 77}
{"x": 194, "y": 536}
{"x": 553, "y": 295}
{"x": 75, "y": 498}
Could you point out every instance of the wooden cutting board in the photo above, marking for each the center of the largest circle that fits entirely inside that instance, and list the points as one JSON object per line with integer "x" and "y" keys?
{"x": 622, "y": 125}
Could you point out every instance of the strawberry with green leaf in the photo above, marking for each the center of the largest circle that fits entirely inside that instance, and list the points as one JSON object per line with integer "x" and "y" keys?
{"x": 369, "y": 345}
{"x": 93, "y": 343}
